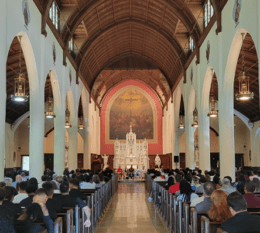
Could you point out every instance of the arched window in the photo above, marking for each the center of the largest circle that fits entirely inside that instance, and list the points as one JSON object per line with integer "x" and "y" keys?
{"x": 191, "y": 43}
{"x": 71, "y": 45}
{"x": 208, "y": 12}
{"x": 54, "y": 15}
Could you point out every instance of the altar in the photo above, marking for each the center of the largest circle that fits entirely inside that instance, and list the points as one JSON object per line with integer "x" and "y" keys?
{"x": 130, "y": 152}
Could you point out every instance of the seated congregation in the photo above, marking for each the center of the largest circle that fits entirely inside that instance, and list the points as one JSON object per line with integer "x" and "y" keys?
{"x": 192, "y": 202}
{"x": 27, "y": 205}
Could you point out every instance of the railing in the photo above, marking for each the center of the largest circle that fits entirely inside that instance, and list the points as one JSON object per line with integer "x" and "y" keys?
{"x": 73, "y": 220}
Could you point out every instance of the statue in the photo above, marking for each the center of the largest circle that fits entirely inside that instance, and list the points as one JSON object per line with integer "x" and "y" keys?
{"x": 105, "y": 158}
{"x": 157, "y": 161}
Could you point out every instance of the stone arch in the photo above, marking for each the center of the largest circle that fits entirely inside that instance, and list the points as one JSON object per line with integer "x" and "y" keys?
{"x": 71, "y": 105}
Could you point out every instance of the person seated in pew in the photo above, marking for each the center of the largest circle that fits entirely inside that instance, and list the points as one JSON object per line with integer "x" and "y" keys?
{"x": 216, "y": 182}
{"x": 251, "y": 199}
{"x": 22, "y": 193}
{"x": 257, "y": 184}
{"x": 170, "y": 183}
{"x": 101, "y": 178}
{"x": 131, "y": 172}
{"x": 241, "y": 221}
{"x": 74, "y": 189}
{"x": 30, "y": 190}
{"x": 6, "y": 221}
{"x": 68, "y": 201}
{"x": 219, "y": 211}
{"x": 186, "y": 192}
{"x": 226, "y": 186}
{"x": 87, "y": 184}
{"x": 159, "y": 177}
{"x": 206, "y": 204}
{"x": 12, "y": 209}
{"x": 97, "y": 182}
{"x": 241, "y": 188}
{"x": 202, "y": 181}
{"x": 254, "y": 175}
{"x": 176, "y": 187}
{"x": 35, "y": 213}
{"x": 54, "y": 206}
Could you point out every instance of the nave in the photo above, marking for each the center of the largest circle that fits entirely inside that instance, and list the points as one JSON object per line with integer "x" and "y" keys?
{"x": 130, "y": 211}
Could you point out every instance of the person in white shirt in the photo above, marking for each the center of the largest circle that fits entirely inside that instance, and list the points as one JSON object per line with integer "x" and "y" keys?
{"x": 87, "y": 184}
{"x": 254, "y": 175}
{"x": 22, "y": 193}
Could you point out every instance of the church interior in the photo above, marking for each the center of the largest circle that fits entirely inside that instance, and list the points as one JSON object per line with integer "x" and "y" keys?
{"x": 127, "y": 89}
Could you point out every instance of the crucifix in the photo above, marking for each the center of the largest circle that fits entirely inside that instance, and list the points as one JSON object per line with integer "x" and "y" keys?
{"x": 131, "y": 101}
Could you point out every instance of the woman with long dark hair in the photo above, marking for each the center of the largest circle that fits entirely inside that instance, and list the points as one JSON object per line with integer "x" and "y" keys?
{"x": 186, "y": 192}
{"x": 219, "y": 211}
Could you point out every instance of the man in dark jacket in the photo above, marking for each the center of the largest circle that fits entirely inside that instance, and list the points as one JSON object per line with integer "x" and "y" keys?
{"x": 54, "y": 206}
{"x": 242, "y": 221}
{"x": 74, "y": 190}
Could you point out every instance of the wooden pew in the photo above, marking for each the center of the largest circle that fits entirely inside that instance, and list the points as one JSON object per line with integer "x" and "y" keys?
{"x": 193, "y": 223}
{"x": 58, "y": 224}
{"x": 219, "y": 230}
{"x": 209, "y": 227}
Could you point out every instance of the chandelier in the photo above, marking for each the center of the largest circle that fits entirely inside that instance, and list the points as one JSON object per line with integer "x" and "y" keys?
{"x": 67, "y": 115}
{"x": 81, "y": 123}
{"x": 19, "y": 83}
{"x": 49, "y": 106}
{"x": 243, "y": 79}
{"x": 212, "y": 102}
{"x": 181, "y": 124}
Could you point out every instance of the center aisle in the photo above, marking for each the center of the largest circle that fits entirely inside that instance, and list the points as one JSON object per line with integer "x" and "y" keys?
{"x": 130, "y": 211}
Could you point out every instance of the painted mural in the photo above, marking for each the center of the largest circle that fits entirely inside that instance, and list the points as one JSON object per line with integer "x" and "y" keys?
{"x": 131, "y": 108}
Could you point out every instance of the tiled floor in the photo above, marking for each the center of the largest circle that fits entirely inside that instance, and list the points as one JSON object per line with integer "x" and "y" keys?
{"x": 130, "y": 211}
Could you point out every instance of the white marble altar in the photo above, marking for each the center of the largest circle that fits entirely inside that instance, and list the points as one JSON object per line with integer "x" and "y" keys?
{"x": 131, "y": 152}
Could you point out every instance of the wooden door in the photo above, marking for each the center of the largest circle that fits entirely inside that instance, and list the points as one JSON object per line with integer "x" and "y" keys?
{"x": 48, "y": 161}
{"x": 80, "y": 161}
{"x": 182, "y": 160}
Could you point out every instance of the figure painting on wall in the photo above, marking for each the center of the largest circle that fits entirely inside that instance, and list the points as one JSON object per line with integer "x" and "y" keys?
{"x": 236, "y": 11}
{"x": 131, "y": 108}
{"x": 26, "y": 13}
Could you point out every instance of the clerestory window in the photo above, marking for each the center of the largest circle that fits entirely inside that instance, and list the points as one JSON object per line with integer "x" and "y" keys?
{"x": 54, "y": 14}
{"x": 208, "y": 12}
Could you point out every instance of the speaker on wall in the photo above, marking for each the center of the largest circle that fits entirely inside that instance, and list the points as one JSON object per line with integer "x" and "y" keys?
{"x": 176, "y": 158}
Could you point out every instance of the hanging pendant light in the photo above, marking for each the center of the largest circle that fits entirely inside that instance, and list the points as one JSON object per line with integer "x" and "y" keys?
{"x": 243, "y": 79}
{"x": 181, "y": 124}
{"x": 67, "y": 115}
{"x": 81, "y": 123}
{"x": 195, "y": 123}
{"x": 212, "y": 105}
{"x": 19, "y": 83}
{"x": 49, "y": 106}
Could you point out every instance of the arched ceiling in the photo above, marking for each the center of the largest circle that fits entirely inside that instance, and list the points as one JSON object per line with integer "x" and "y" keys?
{"x": 103, "y": 30}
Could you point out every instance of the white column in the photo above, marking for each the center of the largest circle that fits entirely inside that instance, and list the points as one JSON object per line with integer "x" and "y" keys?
{"x": 87, "y": 157}
{"x": 204, "y": 140}
{"x": 73, "y": 144}
{"x": 189, "y": 144}
{"x": 3, "y": 57}
{"x": 36, "y": 145}
{"x": 59, "y": 140}
{"x": 226, "y": 133}
{"x": 176, "y": 151}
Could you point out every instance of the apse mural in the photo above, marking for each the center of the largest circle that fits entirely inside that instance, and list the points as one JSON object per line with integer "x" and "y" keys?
{"x": 131, "y": 108}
